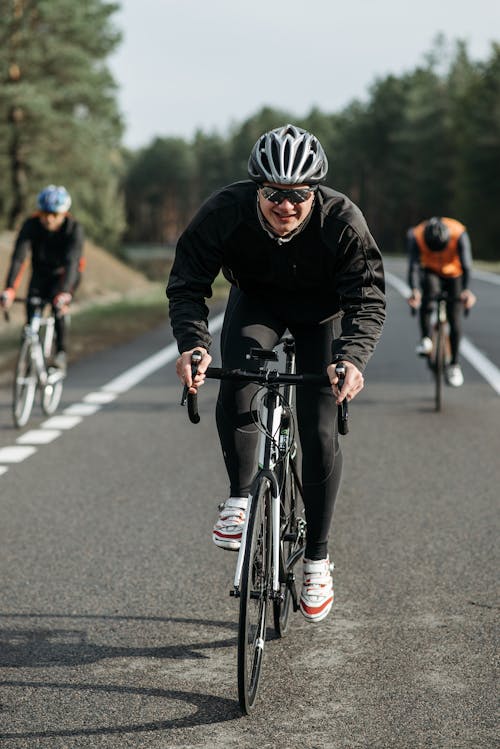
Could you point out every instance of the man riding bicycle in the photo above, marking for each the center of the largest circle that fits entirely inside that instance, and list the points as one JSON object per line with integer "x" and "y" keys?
{"x": 299, "y": 256}
{"x": 440, "y": 259}
{"x": 55, "y": 240}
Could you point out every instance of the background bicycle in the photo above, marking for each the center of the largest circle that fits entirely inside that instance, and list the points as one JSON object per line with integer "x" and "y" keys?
{"x": 33, "y": 368}
{"x": 440, "y": 356}
{"x": 274, "y": 534}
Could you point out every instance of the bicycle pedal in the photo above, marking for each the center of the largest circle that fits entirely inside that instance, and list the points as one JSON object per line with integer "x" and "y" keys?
{"x": 290, "y": 537}
{"x": 234, "y": 593}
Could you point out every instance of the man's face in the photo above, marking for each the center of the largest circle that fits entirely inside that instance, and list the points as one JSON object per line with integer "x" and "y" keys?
{"x": 52, "y": 221}
{"x": 285, "y": 216}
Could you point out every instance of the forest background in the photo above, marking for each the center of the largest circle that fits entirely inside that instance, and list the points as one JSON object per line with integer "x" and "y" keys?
{"x": 423, "y": 143}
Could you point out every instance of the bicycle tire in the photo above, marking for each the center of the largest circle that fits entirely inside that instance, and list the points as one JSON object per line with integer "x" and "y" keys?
{"x": 255, "y": 587}
{"x": 292, "y": 539}
{"x": 51, "y": 396}
{"x": 53, "y": 389}
{"x": 25, "y": 384}
{"x": 439, "y": 365}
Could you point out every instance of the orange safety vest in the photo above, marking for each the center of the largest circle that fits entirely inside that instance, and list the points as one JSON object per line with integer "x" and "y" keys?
{"x": 445, "y": 262}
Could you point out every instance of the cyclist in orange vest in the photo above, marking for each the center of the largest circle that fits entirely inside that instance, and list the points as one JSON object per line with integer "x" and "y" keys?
{"x": 440, "y": 259}
{"x": 55, "y": 241}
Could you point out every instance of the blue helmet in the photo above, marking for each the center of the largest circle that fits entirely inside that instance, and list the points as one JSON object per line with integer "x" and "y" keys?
{"x": 54, "y": 199}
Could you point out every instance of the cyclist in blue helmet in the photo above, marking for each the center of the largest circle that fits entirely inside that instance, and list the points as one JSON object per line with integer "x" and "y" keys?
{"x": 299, "y": 256}
{"x": 55, "y": 240}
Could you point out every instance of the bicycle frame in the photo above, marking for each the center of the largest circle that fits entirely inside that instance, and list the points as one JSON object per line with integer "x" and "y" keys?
{"x": 268, "y": 449}
{"x": 271, "y": 410}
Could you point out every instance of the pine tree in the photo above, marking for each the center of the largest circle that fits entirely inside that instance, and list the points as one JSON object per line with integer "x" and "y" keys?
{"x": 59, "y": 121}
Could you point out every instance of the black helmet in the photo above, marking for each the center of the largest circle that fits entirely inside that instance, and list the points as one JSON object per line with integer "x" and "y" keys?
{"x": 288, "y": 156}
{"x": 436, "y": 234}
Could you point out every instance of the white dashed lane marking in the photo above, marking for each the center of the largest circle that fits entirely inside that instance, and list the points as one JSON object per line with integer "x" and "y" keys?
{"x": 61, "y": 422}
{"x": 15, "y": 454}
{"x": 38, "y": 437}
{"x": 82, "y": 409}
{"x": 90, "y": 404}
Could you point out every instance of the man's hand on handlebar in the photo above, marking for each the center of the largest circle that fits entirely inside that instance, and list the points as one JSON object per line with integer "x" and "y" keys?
{"x": 468, "y": 299}
{"x": 62, "y": 301}
{"x": 415, "y": 299}
{"x": 7, "y": 298}
{"x": 183, "y": 367}
{"x": 353, "y": 382}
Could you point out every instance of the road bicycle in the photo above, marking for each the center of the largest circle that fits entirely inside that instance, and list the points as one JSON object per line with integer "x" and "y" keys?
{"x": 440, "y": 355}
{"x": 33, "y": 370}
{"x": 273, "y": 536}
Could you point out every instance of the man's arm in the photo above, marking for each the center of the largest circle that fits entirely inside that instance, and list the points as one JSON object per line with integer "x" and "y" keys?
{"x": 465, "y": 254}
{"x": 73, "y": 254}
{"x": 361, "y": 287}
{"x": 19, "y": 257}
{"x": 196, "y": 265}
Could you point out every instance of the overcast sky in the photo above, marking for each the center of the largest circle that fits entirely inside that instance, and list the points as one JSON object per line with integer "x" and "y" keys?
{"x": 185, "y": 65}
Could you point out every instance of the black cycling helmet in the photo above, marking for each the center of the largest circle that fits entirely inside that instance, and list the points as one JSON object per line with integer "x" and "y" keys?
{"x": 288, "y": 155}
{"x": 436, "y": 234}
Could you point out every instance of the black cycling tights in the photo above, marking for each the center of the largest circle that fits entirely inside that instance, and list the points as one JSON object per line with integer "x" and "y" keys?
{"x": 431, "y": 285}
{"x": 46, "y": 287}
{"x": 248, "y": 323}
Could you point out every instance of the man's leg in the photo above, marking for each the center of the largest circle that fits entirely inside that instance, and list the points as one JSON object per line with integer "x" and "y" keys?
{"x": 247, "y": 324}
{"x": 317, "y": 422}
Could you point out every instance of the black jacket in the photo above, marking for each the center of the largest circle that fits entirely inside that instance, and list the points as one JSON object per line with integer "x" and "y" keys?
{"x": 332, "y": 268}
{"x": 53, "y": 253}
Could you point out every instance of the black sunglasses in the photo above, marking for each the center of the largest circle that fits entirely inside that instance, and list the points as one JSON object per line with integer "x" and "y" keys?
{"x": 277, "y": 195}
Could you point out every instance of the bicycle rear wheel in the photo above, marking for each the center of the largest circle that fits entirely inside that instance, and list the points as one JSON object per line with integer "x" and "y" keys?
{"x": 292, "y": 540}
{"x": 255, "y": 587}
{"x": 25, "y": 383}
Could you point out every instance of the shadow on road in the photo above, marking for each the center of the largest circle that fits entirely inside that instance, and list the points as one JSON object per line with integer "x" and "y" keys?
{"x": 48, "y": 647}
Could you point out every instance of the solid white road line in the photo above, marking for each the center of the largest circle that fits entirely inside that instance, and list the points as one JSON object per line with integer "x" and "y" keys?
{"x": 476, "y": 358}
{"x": 483, "y": 365}
{"x": 484, "y": 275}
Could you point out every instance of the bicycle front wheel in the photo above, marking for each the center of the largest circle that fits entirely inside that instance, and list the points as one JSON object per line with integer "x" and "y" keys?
{"x": 25, "y": 383}
{"x": 292, "y": 539}
{"x": 255, "y": 586}
{"x": 439, "y": 365}
{"x": 52, "y": 392}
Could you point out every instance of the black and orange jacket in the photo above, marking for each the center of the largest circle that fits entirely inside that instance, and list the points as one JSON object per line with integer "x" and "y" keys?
{"x": 453, "y": 261}
{"x": 331, "y": 268}
{"x": 53, "y": 253}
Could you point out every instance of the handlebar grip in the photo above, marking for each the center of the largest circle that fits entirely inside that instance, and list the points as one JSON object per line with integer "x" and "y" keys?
{"x": 342, "y": 408}
{"x": 192, "y": 398}
{"x": 192, "y": 406}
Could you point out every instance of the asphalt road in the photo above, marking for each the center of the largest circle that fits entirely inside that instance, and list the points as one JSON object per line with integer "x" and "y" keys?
{"x": 116, "y": 625}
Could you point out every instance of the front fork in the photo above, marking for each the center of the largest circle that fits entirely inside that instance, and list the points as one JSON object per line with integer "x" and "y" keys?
{"x": 275, "y": 531}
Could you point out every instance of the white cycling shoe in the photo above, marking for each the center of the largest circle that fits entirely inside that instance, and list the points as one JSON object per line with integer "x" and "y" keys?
{"x": 316, "y": 597}
{"x": 424, "y": 348}
{"x": 453, "y": 375}
{"x": 229, "y": 527}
